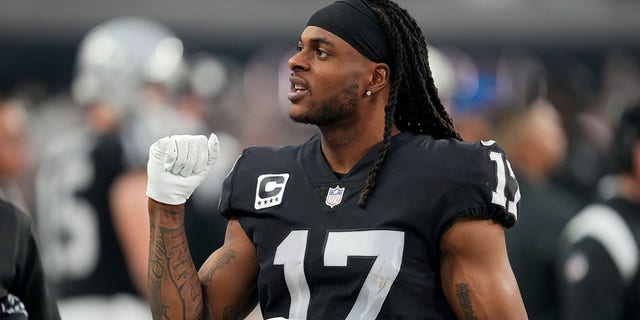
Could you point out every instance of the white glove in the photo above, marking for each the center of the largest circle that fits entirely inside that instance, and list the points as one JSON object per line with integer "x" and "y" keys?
{"x": 178, "y": 164}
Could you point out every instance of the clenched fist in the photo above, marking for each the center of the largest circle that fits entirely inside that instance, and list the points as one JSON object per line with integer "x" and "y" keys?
{"x": 178, "y": 164}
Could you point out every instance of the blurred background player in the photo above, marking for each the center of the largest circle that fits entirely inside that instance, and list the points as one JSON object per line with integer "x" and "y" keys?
{"x": 132, "y": 81}
{"x": 77, "y": 169}
{"x": 24, "y": 291}
{"x": 533, "y": 137}
{"x": 189, "y": 110}
{"x": 15, "y": 160}
{"x": 599, "y": 249}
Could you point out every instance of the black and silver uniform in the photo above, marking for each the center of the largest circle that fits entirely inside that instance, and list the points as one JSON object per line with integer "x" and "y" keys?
{"x": 599, "y": 260}
{"x": 81, "y": 249}
{"x": 321, "y": 256}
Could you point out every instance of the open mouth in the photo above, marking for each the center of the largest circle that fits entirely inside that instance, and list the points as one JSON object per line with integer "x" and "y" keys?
{"x": 298, "y": 89}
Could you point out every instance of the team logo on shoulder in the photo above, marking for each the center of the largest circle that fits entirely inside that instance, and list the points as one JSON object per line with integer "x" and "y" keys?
{"x": 334, "y": 196}
{"x": 270, "y": 189}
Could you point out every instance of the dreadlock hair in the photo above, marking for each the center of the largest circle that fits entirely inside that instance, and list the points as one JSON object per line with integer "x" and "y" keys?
{"x": 413, "y": 104}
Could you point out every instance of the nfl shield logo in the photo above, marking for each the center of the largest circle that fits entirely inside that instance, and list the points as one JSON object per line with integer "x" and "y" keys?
{"x": 334, "y": 196}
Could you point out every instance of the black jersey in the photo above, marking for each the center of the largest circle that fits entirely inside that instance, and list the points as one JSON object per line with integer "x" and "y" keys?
{"x": 80, "y": 247}
{"x": 321, "y": 256}
{"x": 23, "y": 287}
{"x": 599, "y": 260}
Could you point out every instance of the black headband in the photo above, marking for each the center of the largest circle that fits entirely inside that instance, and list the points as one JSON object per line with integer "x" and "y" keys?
{"x": 354, "y": 22}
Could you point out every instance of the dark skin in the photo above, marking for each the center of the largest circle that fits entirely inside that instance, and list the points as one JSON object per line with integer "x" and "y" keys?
{"x": 328, "y": 64}
{"x": 476, "y": 276}
{"x": 178, "y": 291}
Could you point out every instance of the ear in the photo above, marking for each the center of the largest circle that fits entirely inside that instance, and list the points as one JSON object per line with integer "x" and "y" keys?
{"x": 379, "y": 78}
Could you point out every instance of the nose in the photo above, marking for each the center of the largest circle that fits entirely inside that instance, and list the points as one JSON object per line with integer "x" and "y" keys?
{"x": 298, "y": 62}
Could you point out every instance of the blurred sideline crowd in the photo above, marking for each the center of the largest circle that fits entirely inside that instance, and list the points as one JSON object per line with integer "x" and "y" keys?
{"x": 74, "y": 161}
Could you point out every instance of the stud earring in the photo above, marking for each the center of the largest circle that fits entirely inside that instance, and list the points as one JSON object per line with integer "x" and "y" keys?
{"x": 368, "y": 93}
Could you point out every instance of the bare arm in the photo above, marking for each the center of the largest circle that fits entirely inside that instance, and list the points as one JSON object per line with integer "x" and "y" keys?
{"x": 132, "y": 224}
{"x": 229, "y": 276}
{"x": 220, "y": 290}
{"x": 476, "y": 275}
{"x": 174, "y": 286}
{"x": 177, "y": 165}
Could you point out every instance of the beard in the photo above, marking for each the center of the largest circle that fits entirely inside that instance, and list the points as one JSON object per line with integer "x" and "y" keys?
{"x": 333, "y": 109}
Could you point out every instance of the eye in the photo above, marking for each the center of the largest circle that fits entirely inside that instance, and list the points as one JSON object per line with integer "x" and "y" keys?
{"x": 321, "y": 53}
{"x": 299, "y": 47}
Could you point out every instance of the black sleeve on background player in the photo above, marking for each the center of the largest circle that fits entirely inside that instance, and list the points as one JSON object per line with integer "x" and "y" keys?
{"x": 598, "y": 294}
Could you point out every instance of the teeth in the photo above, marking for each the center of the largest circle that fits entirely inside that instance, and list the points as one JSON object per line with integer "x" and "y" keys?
{"x": 298, "y": 87}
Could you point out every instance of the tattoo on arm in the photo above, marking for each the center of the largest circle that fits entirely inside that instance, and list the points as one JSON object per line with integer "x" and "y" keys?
{"x": 156, "y": 272}
{"x": 222, "y": 261}
{"x": 170, "y": 272}
{"x": 462, "y": 292}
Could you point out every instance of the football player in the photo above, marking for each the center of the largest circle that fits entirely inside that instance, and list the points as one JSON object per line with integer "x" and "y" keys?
{"x": 385, "y": 213}
{"x": 24, "y": 291}
{"x": 599, "y": 250}
{"x": 125, "y": 66}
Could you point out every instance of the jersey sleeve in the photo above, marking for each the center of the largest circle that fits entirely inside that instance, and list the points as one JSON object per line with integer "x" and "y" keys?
{"x": 239, "y": 187}
{"x": 225, "y": 206}
{"x": 490, "y": 188}
{"x": 589, "y": 283}
{"x": 473, "y": 180}
{"x": 482, "y": 185}
{"x": 598, "y": 264}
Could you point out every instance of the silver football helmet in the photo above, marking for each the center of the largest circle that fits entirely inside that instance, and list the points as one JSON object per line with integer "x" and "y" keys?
{"x": 118, "y": 57}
